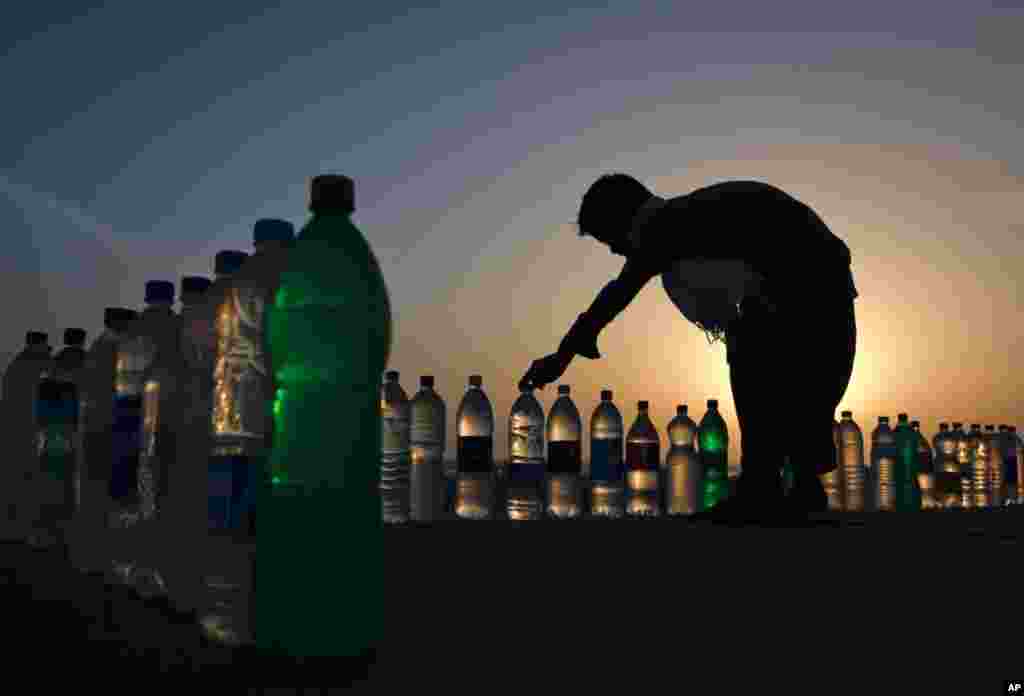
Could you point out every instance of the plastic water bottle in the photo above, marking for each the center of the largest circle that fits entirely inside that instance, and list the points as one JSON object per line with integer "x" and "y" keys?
{"x": 246, "y": 424}
{"x": 52, "y": 494}
{"x": 714, "y": 455}
{"x": 20, "y": 391}
{"x": 426, "y": 448}
{"x": 851, "y": 464}
{"x": 203, "y": 470}
{"x": 1018, "y": 447}
{"x": 474, "y": 425}
{"x": 994, "y": 466}
{"x": 977, "y": 454}
{"x": 947, "y": 472}
{"x": 642, "y": 466}
{"x": 907, "y": 491}
{"x": 329, "y": 334}
{"x": 526, "y": 474}
{"x": 925, "y": 469}
{"x": 683, "y": 471}
{"x": 1014, "y": 465}
{"x": 607, "y": 470}
{"x": 832, "y": 481}
{"x": 883, "y": 463}
{"x": 154, "y": 331}
{"x": 565, "y": 457}
{"x": 394, "y": 452}
{"x": 97, "y": 419}
{"x": 963, "y": 462}
{"x": 70, "y": 368}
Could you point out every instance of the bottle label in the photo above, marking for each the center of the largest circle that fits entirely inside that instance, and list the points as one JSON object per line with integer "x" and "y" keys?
{"x": 424, "y": 430}
{"x": 527, "y": 441}
{"x": 125, "y": 443}
{"x": 606, "y": 460}
{"x": 395, "y": 434}
{"x": 475, "y": 455}
{"x": 642, "y": 455}
{"x": 564, "y": 457}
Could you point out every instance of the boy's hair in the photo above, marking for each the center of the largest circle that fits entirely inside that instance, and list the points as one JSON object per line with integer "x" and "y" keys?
{"x": 610, "y": 203}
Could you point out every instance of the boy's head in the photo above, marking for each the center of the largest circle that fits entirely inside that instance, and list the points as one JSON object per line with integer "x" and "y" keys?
{"x": 607, "y": 210}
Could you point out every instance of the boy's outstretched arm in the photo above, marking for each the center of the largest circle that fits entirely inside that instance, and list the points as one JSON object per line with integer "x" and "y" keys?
{"x": 609, "y": 303}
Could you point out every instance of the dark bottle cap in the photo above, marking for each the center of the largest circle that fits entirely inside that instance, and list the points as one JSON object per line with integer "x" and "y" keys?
{"x": 194, "y": 285}
{"x": 1013, "y": 428}
{"x": 712, "y": 403}
{"x": 228, "y": 261}
{"x": 563, "y": 388}
{"x": 476, "y": 380}
{"x": 642, "y": 405}
{"x": 332, "y": 192}
{"x": 36, "y": 338}
{"x": 943, "y": 426}
{"x": 902, "y": 418}
{"x": 159, "y": 291}
{"x": 427, "y": 381}
{"x": 681, "y": 410}
{"x": 915, "y": 424}
{"x": 957, "y": 424}
{"x": 391, "y": 375}
{"x": 272, "y": 230}
{"x": 114, "y": 316}
{"x": 50, "y": 390}
{"x": 1003, "y": 428}
{"x": 990, "y": 428}
{"x": 606, "y": 395}
{"x": 847, "y": 414}
{"x": 74, "y": 337}
{"x": 975, "y": 426}
{"x": 883, "y": 419}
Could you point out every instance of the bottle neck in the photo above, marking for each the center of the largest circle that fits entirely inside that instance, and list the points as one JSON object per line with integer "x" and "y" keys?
{"x": 269, "y": 247}
{"x": 162, "y": 307}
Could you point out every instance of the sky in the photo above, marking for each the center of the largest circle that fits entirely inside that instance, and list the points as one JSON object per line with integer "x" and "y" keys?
{"x": 141, "y": 138}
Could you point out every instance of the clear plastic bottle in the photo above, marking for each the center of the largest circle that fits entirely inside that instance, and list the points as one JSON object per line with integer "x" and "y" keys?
{"x": 426, "y": 448}
{"x": 526, "y": 474}
{"x": 851, "y": 463}
{"x": 642, "y": 466}
{"x": 70, "y": 368}
{"x": 714, "y": 455}
{"x": 153, "y": 332}
{"x": 1018, "y": 445}
{"x": 833, "y": 480}
{"x": 20, "y": 391}
{"x": 51, "y": 496}
{"x": 963, "y": 462}
{"x": 978, "y": 457}
{"x": 994, "y": 466}
{"x": 97, "y": 419}
{"x": 474, "y": 426}
{"x": 883, "y": 462}
{"x": 683, "y": 472}
{"x": 607, "y": 470}
{"x": 1008, "y": 453}
{"x": 947, "y": 477}
{"x": 394, "y": 453}
{"x": 565, "y": 457}
{"x": 925, "y": 469}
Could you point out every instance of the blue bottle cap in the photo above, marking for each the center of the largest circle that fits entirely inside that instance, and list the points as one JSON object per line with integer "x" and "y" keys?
{"x": 228, "y": 261}
{"x": 194, "y": 285}
{"x": 159, "y": 291}
{"x": 74, "y": 337}
{"x": 272, "y": 230}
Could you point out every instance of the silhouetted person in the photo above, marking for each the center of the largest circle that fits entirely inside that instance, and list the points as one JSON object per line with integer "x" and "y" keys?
{"x": 790, "y": 341}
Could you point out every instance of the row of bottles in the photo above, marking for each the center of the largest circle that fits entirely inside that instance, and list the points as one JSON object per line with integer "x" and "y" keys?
{"x": 627, "y": 474}
{"x": 957, "y": 469}
{"x": 180, "y": 420}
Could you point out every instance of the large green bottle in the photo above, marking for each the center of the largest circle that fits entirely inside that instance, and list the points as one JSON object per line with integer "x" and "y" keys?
{"x": 907, "y": 492}
{"x": 713, "y": 440}
{"x": 319, "y": 565}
